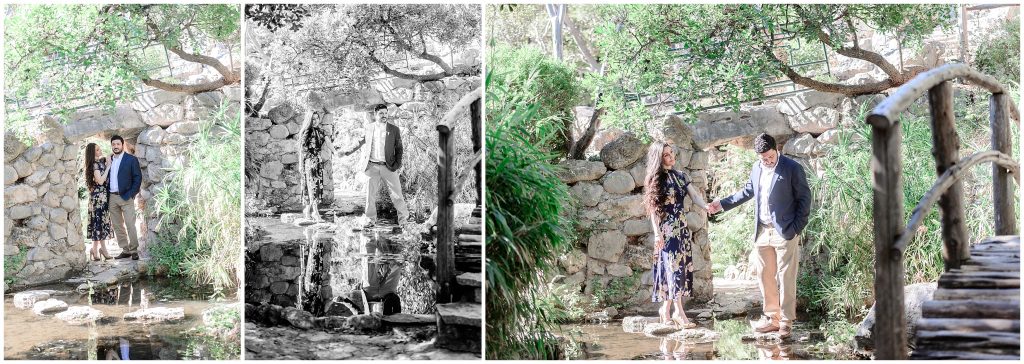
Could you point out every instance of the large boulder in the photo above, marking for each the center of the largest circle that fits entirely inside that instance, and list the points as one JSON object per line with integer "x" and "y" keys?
{"x": 796, "y": 104}
{"x": 588, "y": 193}
{"x": 573, "y": 261}
{"x": 19, "y": 194}
{"x": 673, "y": 130}
{"x": 298, "y": 318}
{"x": 607, "y": 246}
{"x": 914, "y": 296}
{"x": 738, "y": 127}
{"x": 816, "y": 120}
{"x": 573, "y": 170}
{"x": 804, "y": 145}
{"x": 618, "y": 182}
{"x": 25, "y": 300}
{"x": 622, "y": 152}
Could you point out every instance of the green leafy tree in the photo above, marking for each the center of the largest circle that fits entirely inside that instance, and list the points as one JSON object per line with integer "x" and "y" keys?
{"x": 725, "y": 52}
{"x": 698, "y": 55}
{"x": 70, "y": 55}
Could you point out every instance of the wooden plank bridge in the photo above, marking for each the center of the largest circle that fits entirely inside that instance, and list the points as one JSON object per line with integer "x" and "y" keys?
{"x": 975, "y": 313}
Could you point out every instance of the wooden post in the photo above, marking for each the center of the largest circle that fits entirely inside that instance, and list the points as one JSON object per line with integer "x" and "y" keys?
{"x": 445, "y": 260}
{"x": 890, "y": 325}
{"x": 946, "y": 150}
{"x": 476, "y": 121}
{"x": 1002, "y": 194}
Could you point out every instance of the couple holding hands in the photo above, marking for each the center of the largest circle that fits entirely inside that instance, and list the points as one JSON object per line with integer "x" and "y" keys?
{"x": 777, "y": 184}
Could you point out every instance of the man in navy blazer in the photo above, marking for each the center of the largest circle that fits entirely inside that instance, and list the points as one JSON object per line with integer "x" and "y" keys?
{"x": 380, "y": 161}
{"x": 124, "y": 184}
{"x": 782, "y": 198}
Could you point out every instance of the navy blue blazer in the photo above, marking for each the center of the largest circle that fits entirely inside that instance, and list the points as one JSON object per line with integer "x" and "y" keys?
{"x": 129, "y": 177}
{"x": 789, "y": 199}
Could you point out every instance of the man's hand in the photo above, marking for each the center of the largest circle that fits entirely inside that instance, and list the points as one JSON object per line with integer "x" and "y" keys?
{"x": 715, "y": 207}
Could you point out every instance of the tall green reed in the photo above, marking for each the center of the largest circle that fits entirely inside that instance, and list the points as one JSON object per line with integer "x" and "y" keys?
{"x": 200, "y": 205}
{"x": 526, "y": 226}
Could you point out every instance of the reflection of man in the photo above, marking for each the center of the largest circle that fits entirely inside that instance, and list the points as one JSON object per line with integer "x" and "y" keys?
{"x": 379, "y": 280}
{"x": 782, "y": 198}
{"x": 124, "y": 184}
{"x": 381, "y": 161}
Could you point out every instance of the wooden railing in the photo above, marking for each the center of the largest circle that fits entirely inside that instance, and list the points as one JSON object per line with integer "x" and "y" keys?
{"x": 891, "y": 236}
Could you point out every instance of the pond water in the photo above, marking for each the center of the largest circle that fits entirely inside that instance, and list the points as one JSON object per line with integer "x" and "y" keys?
{"x": 28, "y": 336}
{"x": 378, "y": 269}
{"x": 610, "y": 341}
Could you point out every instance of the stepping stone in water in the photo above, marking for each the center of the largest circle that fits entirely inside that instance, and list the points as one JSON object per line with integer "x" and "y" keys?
{"x": 695, "y": 335}
{"x": 299, "y": 318}
{"x": 49, "y": 306}
{"x": 409, "y": 319}
{"x": 158, "y": 314}
{"x": 636, "y": 324}
{"x": 289, "y": 218}
{"x": 770, "y": 337}
{"x": 25, "y": 300}
{"x": 659, "y": 329}
{"x": 80, "y": 315}
{"x": 364, "y": 322}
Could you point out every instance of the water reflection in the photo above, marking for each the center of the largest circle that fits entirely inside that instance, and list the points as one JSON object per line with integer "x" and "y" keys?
{"x": 612, "y": 342}
{"x": 28, "y": 336}
{"x": 349, "y": 272}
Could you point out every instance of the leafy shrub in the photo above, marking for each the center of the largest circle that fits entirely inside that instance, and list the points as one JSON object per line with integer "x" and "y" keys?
{"x": 535, "y": 79}
{"x": 999, "y": 55}
{"x": 201, "y": 227}
{"x": 526, "y": 228}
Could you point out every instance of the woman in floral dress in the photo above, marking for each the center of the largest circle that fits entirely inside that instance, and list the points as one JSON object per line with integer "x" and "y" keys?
{"x": 664, "y": 192}
{"x": 99, "y": 228}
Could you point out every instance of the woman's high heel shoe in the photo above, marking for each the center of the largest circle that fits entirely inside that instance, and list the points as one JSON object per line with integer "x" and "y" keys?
{"x": 95, "y": 256}
{"x": 103, "y": 252}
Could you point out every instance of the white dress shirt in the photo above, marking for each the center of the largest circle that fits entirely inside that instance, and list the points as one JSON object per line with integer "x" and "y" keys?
{"x": 115, "y": 165}
{"x": 377, "y": 148}
{"x": 764, "y": 188}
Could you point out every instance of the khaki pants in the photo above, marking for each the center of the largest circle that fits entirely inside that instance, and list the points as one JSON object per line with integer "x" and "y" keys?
{"x": 778, "y": 259}
{"x": 122, "y": 214}
{"x": 378, "y": 172}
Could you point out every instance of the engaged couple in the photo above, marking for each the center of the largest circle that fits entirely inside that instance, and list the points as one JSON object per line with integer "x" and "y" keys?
{"x": 380, "y": 160}
{"x": 113, "y": 182}
{"x": 782, "y": 198}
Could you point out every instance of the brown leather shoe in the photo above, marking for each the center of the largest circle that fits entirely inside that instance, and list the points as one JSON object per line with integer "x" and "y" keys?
{"x": 785, "y": 331}
{"x": 135, "y": 257}
{"x": 123, "y": 255}
{"x": 766, "y": 328}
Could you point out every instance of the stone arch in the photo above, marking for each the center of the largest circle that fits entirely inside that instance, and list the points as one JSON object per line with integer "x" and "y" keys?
{"x": 43, "y": 239}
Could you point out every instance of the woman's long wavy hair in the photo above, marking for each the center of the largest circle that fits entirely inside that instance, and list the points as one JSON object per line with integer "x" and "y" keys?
{"x": 654, "y": 181}
{"x": 90, "y": 161}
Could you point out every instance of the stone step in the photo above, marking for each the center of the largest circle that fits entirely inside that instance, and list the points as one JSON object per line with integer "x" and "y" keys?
{"x": 470, "y": 238}
{"x": 478, "y": 211}
{"x": 470, "y": 279}
{"x": 410, "y": 319}
{"x": 460, "y": 313}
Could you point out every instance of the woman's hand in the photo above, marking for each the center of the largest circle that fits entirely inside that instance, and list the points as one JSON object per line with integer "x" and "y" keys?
{"x": 659, "y": 244}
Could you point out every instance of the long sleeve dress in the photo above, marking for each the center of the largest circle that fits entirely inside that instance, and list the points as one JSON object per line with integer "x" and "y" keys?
{"x": 673, "y": 267}
{"x": 99, "y": 227}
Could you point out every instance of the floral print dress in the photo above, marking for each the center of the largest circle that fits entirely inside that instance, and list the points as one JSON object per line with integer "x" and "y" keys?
{"x": 673, "y": 267}
{"x": 99, "y": 220}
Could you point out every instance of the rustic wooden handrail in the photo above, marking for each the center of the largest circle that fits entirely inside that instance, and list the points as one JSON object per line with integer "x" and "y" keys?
{"x": 891, "y": 233}
{"x": 944, "y": 183}
{"x": 887, "y": 112}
